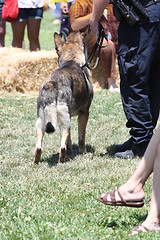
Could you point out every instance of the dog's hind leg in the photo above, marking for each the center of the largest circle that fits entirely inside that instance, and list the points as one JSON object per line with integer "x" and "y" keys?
{"x": 82, "y": 123}
{"x": 64, "y": 144}
{"x": 69, "y": 142}
{"x": 64, "y": 124}
{"x": 40, "y": 130}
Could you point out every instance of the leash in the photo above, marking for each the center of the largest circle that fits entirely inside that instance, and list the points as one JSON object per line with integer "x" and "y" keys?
{"x": 64, "y": 33}
{"x": 100, "y": 35}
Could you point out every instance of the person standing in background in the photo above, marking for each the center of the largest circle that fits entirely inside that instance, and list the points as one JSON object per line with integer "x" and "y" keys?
{"x": 138, "y": 59}
{"x": 30, "y": 15}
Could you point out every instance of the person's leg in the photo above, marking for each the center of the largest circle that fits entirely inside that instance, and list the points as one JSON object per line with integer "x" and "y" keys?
{"x": 136, "y": 81}
{"x": 134, "y": 85}
{"x": 133, "y": 188}
{"x": 108, "y": 60}
{"x": 33, "y": 27}
{"x": 18, "y": 29}
{"x": 2, "y": 32}
{"x": 152, "y": 222}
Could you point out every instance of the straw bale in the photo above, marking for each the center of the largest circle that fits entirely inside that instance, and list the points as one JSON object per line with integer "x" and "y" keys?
{"x": 99, "y": 77}
{"x": 25, "y": 71}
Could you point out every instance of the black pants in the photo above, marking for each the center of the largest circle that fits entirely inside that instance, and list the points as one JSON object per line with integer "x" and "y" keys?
{"x": 139, "y": 65}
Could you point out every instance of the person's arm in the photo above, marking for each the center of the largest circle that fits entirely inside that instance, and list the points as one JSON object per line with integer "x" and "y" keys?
{"x": 80, "y": 23}
{"x": 97, "y": 12}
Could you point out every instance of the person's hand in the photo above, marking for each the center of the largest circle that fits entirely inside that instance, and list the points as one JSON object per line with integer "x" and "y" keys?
{"x": 64, "y": 7}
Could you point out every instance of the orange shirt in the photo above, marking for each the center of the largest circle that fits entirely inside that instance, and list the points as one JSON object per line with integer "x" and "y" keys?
{"x": 82, "y": 8}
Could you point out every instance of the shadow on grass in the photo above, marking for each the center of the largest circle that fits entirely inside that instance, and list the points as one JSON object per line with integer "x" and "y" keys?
{"x": 115, "y": 224}
{"x": 54, "y": 159}
{"x": 109, "y": 151}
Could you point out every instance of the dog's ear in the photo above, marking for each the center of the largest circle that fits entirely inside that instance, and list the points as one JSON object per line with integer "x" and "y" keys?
{"x": 58, "y": 42}
{"x": 78, "y": 39}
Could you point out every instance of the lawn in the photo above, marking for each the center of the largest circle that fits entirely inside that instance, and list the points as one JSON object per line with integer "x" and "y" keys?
{"x": 59, "y": 201}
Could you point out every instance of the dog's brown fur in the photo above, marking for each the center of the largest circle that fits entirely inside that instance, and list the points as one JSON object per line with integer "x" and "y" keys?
{"x": 67, "y": 92}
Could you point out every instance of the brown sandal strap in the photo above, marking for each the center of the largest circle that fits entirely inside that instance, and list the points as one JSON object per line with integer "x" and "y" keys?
{"x": 112, "y": 196}
{"x": 139, "y": 229}
{"x": 122, "y": 199}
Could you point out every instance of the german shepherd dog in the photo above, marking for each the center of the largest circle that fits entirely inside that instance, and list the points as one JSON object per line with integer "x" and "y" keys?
{"x": 66, "y": 92}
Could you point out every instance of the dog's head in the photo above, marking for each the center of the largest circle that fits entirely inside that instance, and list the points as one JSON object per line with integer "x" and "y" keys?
{"x": 72, "y": 49}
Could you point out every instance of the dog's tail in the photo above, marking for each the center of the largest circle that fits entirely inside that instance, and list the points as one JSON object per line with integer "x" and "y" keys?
{"x": 50, "y": 118}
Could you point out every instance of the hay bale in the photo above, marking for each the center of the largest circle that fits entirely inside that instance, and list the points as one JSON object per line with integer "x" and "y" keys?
{"x": 99, "y": 77}
{"x": 25, "y": 71}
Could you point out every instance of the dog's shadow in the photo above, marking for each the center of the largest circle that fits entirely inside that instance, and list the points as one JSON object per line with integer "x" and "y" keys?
{"x": 109, "y": 151}
{"x": 54, "y": 159}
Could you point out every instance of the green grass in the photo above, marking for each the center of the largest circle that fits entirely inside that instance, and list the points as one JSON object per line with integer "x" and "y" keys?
{"x": 59, "y": 201}
{"x": 47, "y": 30}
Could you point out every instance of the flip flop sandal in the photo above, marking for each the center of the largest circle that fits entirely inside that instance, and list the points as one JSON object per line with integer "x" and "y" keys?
{"x": 121, "y": 202}
{"x": 139, "y": 229}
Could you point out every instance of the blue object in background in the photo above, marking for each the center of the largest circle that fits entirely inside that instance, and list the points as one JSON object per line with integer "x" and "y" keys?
{"x": 57, "y": 11}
